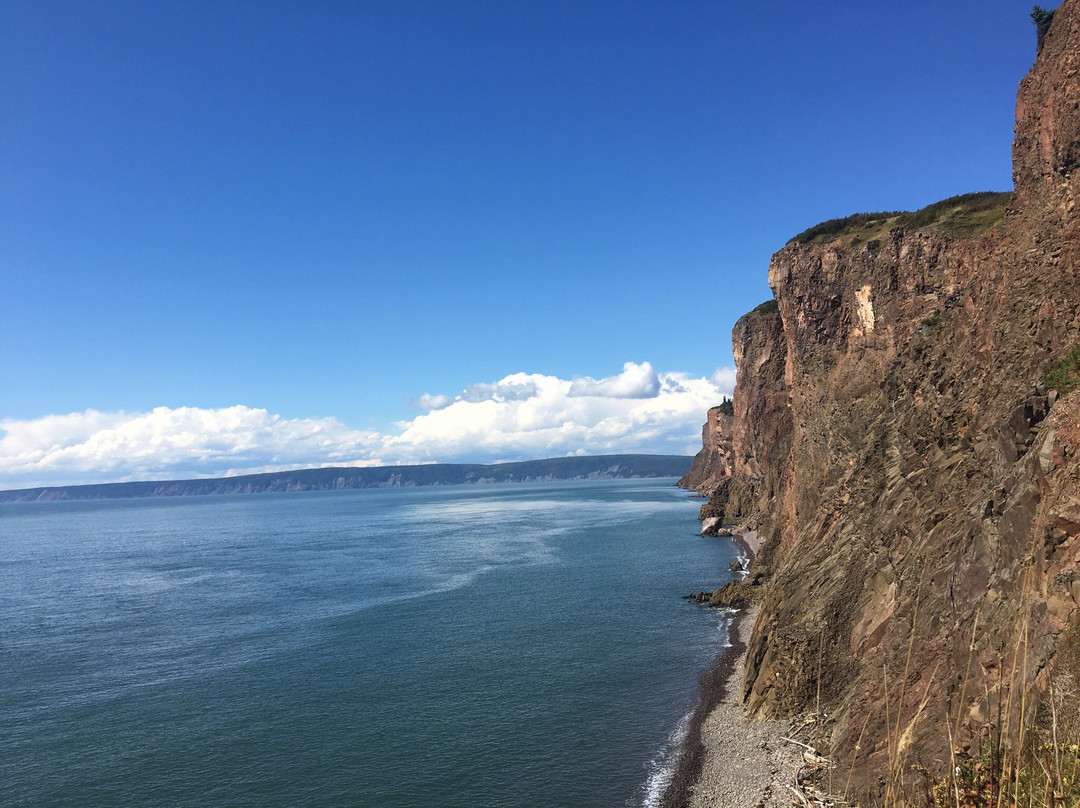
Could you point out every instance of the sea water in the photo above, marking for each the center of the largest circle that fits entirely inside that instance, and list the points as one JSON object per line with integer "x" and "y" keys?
{"x": 456, "y": 646}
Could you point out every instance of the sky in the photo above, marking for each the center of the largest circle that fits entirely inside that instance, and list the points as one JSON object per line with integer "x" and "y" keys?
{"x": 246, "y": 236}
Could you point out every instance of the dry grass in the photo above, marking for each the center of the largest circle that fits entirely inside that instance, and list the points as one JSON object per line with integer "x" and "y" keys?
{"x": 1026, "y": 756}
{"x": 1042, "y": 771}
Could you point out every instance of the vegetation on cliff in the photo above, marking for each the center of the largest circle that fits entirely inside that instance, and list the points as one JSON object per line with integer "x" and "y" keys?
{"x": 1042, "y": 19}
{"x": 1040, "y": 770}
{"x": 1064, "y": 374}
{"x": 963, "y": 215}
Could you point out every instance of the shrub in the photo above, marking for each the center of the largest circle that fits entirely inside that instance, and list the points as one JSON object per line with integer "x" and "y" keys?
{"x": 1064, "y": 374}
{"x": 1072, "y": 158}
{"x": 1042, "y": 19}
{"x": 830, "y": 229}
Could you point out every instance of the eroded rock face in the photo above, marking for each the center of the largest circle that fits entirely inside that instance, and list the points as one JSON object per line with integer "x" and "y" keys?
{"x": 743, "y": 461}
{"x": 761, "y": 434}
{"x": 712, "y": 466}
{"x": 918, "y": 486}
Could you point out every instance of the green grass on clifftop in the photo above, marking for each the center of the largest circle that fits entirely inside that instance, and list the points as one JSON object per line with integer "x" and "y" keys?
{"x": 965, "y": 215}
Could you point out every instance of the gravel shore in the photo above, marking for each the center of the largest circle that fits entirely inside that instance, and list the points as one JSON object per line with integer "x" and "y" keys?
{"x": 746, "y": 764}
{"x": 730, "y": 762}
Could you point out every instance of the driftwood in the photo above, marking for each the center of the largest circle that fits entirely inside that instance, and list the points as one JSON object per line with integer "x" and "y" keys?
{"x": 816, "y": 761}
{"x": 805, "y": 746}
{"x": 810, "y": 755}
{"x": 798, "y": 793}
{"x": 813, "y": 763}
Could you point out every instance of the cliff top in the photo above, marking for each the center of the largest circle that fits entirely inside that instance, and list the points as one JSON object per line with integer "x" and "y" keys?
{"x": 964, "y": 215}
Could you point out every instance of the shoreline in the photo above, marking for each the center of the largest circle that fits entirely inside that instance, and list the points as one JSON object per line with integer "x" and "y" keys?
{"x": 726, "y": 760}
{"x": 720, "y": 680}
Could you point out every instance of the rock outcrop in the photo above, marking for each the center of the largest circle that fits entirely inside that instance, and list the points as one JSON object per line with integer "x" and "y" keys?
{"x": 713, "y": 464}
{"x": 761, "y": 434}
{"x": 742, "y": 463}
{"x": 915, "y": 478}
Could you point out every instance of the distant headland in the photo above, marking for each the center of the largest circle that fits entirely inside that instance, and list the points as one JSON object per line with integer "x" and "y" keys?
{"x": 598, "y": 467}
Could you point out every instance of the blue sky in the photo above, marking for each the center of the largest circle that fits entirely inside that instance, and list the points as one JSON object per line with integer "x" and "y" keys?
{"x": 344, "y": 213}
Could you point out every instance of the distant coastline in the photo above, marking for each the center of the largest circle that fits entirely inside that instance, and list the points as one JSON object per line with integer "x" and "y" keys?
{"x": 598, "y": 467}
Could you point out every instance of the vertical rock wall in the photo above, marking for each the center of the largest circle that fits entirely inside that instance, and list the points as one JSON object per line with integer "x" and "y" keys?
{"x": 918, "y": 484}
{"x": 712, "y": 466}
{"x": 761, "y": 434}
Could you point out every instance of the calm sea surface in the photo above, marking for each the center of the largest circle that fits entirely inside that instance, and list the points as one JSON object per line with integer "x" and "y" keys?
{"x": 460, "y": 646}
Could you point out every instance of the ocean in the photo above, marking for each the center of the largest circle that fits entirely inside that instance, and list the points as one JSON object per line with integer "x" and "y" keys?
{"x": 500, "y": 645}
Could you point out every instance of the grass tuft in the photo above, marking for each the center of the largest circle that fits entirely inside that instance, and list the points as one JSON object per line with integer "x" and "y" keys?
{"x": 1035, "y": 764}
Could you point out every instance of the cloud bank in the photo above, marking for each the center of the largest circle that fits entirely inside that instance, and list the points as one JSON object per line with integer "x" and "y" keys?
{"x": 522, "y": 416}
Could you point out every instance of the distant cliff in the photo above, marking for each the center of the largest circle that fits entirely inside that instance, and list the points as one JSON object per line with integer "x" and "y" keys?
{"x": 711, "y": 468}
{"x": 600, "y": 467}
{"x": 907, "y": 440}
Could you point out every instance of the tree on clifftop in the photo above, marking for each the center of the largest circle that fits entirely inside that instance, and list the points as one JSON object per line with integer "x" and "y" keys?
{"x": 1042, "y": 19}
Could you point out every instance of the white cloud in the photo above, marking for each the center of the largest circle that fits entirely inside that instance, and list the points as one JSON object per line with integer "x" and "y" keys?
{"x": 521, "y": 416}
{"x": 170, "y": 443}
{"x": 724, "y": 379}
{"x": 513, "y": 388}
{"x": 428, "y": 402}
{"x": 636, "y": 381}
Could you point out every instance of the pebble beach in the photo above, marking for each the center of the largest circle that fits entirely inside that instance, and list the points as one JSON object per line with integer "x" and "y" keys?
{"x": 734, "y": 763}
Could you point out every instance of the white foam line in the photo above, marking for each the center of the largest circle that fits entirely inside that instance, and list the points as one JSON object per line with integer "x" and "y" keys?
{"x": 662, "y": 767}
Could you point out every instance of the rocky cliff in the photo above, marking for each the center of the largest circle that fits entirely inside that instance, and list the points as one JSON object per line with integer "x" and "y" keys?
{"x": 761, "y": 433}
{"x": 906, "y": 440}
{"x": 711, "y": 468}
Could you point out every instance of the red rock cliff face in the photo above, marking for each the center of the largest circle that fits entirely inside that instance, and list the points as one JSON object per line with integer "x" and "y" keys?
{"x": 919, "y": 486}
{"x": 712, "y": 466}
{"x": 761, "y": 434}
{"x": 743, "y": 460}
